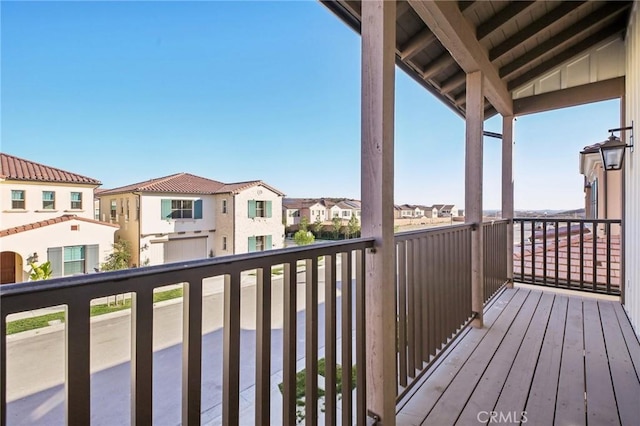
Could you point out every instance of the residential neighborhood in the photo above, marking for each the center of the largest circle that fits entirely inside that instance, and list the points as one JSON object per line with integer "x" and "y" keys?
{"x": 49, "y": 215}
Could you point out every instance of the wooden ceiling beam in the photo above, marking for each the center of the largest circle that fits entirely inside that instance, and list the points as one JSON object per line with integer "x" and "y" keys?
{"x": 559, "y": 58}
{"x": 458, "y": 37}
{"x": 417, "y": 43}
{"x": 468, "y": 5}
{"x": 502, "y": 17}
{"x": 573, "y": 96}
{"x": 438, "y": 64}
{"x": 452, "y": 83}
{"x": 402, "y": 7}
{"x": 563, "y": 38}
{"x": 555, "y": 16}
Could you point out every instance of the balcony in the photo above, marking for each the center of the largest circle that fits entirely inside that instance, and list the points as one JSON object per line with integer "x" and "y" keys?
{"x": 446, "y": 370}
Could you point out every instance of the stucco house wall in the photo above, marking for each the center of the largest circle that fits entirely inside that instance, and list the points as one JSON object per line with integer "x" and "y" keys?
{"x": 34, "y": 211}
{"x": 246, "y": 227}
{"x": 73, "y": 232}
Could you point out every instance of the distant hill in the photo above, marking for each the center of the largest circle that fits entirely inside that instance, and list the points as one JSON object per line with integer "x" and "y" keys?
{"x": 576, "y": 213}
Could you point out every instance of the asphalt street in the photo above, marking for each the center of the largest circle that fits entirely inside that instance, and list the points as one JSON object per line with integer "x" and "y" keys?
{"x": 35, "y": 361}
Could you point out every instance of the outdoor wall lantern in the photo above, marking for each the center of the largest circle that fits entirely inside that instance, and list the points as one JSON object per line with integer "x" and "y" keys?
{"x": 612, "y": 150}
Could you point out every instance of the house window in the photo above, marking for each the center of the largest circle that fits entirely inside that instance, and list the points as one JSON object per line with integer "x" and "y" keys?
{"x": 259, "y": 208}
{"x": 17, "y": 199}
{"x": 76, "y": 200}
{"x": 259, "y": 243}
{"x": 346, "y": 213}
{"x": 181, "y": 209}
{"x": 48, "y": 200}
{"x": 74, "y": 260}
{"x": 126, "y": 217}
{"x": 121, "y": 205}
{"x": 137, "y": 208}
{"x": 113, "y": 209}
{"x": 224, "y": 206}
{"x": 224, "y": 243}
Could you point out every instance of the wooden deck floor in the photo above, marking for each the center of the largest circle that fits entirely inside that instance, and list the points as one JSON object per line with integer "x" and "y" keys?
{"x": 542, "y": 359}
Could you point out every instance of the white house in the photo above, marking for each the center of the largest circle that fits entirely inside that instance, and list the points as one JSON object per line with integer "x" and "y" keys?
{"x": 47, "y": 214}
{"x": 183, "y": 217}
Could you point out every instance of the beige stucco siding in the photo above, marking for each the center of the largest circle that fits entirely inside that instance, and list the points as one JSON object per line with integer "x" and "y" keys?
{"x": 224, "y": 225}
{"x": 632, "y": 164}
{"x": 33, "y": 211}
{"x": 61, "y": 234}
{"x": 246, "y": 227}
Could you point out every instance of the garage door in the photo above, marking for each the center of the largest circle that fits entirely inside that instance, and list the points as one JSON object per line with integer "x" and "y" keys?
{"x": 185, "y": 249}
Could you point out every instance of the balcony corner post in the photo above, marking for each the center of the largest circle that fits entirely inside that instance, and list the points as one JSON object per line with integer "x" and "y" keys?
{"x": 473, "y": 188}
{"x": 507, "y": 190}
{"x": 378, "y": 91}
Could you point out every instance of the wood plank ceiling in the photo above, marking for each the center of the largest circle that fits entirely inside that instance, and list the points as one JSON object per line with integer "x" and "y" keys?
{"x": 522, "y": 40}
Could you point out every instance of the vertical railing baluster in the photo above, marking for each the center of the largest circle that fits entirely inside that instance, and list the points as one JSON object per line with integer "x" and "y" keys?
{"x": 263, "y": 346}
{"x": 522, "y": 223}
{"x": 581, "y": 255}
{"x": 417, "y": 302}
{"x": 594, "y": 267}
{"x": 533, "y": 252}
{"x": 347, "y": 336}
{"x": 424, "y": 300}
{"x": 556, "y": 252}
{"x": 330, "y": 339}
{"x": 361, "y": 355}
{"x": 402, "y": 312}
{"x": 290, "y": 343}
{"x": 545, "y": 254}
{"x": 411, "y": 337}
{"x": 3, "y": 369}
{"x": 192, "y": 353}
{"x": 142, "y": 356}
{"x": 608, "y": 256}
{"x": 78, "y": 365}
{"x": 431, "y": 293}
{"x": 569, "y": 282}
{"x": 311, "y": 342}
{"x": 231, "y": 350}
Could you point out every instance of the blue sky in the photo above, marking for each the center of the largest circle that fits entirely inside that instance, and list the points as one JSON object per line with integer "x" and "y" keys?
{"x": 233, "y": 91}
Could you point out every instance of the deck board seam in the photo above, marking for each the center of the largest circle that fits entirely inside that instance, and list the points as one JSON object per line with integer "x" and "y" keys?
{"x": 606, "y": 352}
{"x": 546, "y": 326}
{"x": 522, "y": 337}
{"x": 508, "y": 296}
{"x": 486, "y": 366}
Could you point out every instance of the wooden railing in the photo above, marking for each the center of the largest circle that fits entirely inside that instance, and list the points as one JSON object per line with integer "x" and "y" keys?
{"x": 577, "y": 254}
{"x": 78, "y": 292}
{"x": 495, "y": 256}
{"x": 433, "y": 295}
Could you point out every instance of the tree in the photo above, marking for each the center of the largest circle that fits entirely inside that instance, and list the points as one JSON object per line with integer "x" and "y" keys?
{"x": 304, "y": 223}
{"x": 40, "y": 272}
{"x": 336, "y": 223}
{"x": 119, "y": 258}
{"x": 303, "y": 238}
{"x": 317, "y": 226}
{"x": 353, "y": 227}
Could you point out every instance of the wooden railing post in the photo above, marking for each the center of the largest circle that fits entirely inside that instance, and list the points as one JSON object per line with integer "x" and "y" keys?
{"x": 378, "y": 75}
{"x": 507, "y": 190}
{"x": 473, "y": 188}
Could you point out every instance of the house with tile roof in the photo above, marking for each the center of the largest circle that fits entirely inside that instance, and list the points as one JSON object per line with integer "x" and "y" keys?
{"x": 47, "y": 214}
{"x": 183, "y": 217}
{"x": 602, "y": 189}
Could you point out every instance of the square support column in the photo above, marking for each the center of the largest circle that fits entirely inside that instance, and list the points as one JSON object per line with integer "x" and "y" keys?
{"x": 507, "y": 190}
{"x": 378, "y": 91}
{"x": 473, "y": 188}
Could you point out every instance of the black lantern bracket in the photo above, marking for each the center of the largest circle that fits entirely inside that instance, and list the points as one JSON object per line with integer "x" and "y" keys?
{"x": 621, "y": 129}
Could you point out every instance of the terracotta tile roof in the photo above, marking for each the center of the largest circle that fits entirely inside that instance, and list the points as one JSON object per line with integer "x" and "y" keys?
{"x": 15, "y": 168}
{"x": 179, "y": 182}
{"x": 240, "y": 186}
{"x": 43, "y": 223}
{"x": 186, "y": 183}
